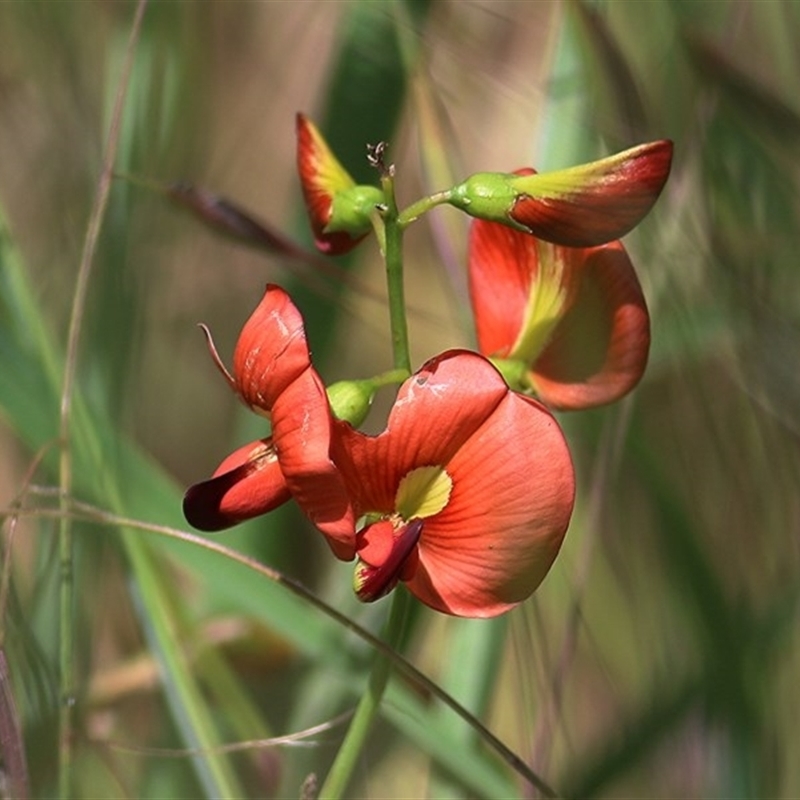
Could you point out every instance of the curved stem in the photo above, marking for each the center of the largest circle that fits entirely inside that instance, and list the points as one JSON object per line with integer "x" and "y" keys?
{"x": 413, "y": 212}
{"x": 369, "y": 705}
{"x": 389, "y": 377}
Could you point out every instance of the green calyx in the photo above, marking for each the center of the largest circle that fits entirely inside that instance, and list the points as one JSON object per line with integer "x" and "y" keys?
{"x": 514, "y": 372}
{"x": 352, "y": 209}
{"x": 351, "y": 400}
{"x": 487, "y": 195}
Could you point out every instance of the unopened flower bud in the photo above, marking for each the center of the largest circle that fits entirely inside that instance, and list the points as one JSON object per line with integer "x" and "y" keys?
{"x": 583, "y": 206}
{"x": 340, "y": 212}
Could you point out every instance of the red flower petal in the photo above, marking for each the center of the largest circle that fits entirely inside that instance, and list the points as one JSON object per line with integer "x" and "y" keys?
{"x": 249, "y": 482}
{"x": 598, "y": 352}
{"x": 271, "y": 350}
{"x": 375, "y": 578}
{"x": 321, "y": 177}
{"x": 302, "y": 428}
{"x": 513, "y": 492}
{"x": 437, "y": 409}
{"x": 501, "y": 265}
{"x": 508, "y": 270}
{"x": 594, "y": 203}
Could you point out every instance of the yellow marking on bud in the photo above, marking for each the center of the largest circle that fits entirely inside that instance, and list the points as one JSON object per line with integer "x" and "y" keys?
{"x": 423, "y": 492}
{"x": 331, "y": 176}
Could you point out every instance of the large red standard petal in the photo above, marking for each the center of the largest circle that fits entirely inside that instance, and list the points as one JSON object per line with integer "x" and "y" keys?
{"x": 271, "y": 350}
{"x": 437, "y": 409}
{"x": 598, "y": 351}
{"x": 302, "y": 429}
{"x": 248, "y": 483}
{"x": 512, "y": 497}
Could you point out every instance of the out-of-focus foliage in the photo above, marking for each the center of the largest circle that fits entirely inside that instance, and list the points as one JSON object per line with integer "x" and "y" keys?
{"x": 660, "y": 657}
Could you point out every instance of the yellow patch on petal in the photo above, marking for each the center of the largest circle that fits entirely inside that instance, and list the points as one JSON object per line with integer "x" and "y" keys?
{"x": 547, "y": 303}
{"x": 423, "y": 492}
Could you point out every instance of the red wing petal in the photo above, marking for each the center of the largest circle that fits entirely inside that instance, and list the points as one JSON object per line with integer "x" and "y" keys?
{"x": 599, "y": 350}
{"x": 248, "y": 483}
{"x": 302, "y": 429}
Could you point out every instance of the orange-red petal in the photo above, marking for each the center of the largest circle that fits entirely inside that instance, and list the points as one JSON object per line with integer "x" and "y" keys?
{"x": 321, "y": 177}
{"x": 271, "y": 350}
{"x": 518, "y": 287}
{"x": 512, "y": 498}
{"x": 376, "y": 577}
{"x": 501, "y": 264}
{"x": 302, "y": 430}
{"x": 248, "y": 483}
{"x": 594, "y": 203}
{"x": 598, "y": 351}
{"x": 437, "y": 409}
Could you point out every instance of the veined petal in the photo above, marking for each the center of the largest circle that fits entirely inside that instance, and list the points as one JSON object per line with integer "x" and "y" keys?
{"x": 512, "y": 498}
{"x": 437, "y": 409}
{"x": 322, "y": 177}
{"x": 248, "y": 483}
{"x": 599, "y": 350}
{"x": 271, "y": 350}
{"x": 593, "y": 203}
{"x": 520, "y": 287}
{"x": 302, "y": 430}
{"x": 501, "y": 264}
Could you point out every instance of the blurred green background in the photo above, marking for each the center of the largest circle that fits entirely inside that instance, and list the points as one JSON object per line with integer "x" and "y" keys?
{"x": 659, "y": 658}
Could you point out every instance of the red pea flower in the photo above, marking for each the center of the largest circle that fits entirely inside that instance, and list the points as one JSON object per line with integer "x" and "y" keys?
{"x": 340, "y": 212}
{"x": 576, "y": 317}
{"x": 273, "y": 375}
{"x": 580, "y": 206}
{"x": 467, "y": 494}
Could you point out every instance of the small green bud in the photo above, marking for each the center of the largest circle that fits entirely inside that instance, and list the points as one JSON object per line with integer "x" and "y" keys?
{"x": 351, "y": 400}
{"x": 352, "y": 210}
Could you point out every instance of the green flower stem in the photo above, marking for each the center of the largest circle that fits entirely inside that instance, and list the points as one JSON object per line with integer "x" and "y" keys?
{"x": 390, "y": 377}
{"x": 413, "y": 212}
{"x": 394, "y": 275}
{"x": 367, "y": 709}
{"x": 515, "y": 372}
{"x": 369, "y": 705}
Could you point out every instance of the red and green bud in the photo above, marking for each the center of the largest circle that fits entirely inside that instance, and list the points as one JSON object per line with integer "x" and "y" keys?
{"x": 582, "y": 206}
{"x": 340, "y": 211}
